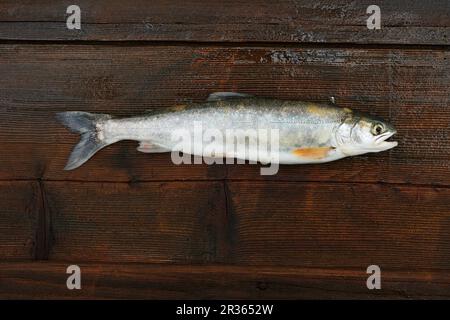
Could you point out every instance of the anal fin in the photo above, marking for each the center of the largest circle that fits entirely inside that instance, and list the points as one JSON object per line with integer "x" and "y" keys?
{"x": 149, "y": 147}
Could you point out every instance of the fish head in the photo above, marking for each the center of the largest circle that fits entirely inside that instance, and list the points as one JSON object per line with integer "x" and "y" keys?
{"x": 362, "y": 133}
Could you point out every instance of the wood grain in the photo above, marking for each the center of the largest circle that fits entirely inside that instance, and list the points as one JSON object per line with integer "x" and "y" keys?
{"x": 20, "y": 213}
{"x": 339, "y": 225}
{"x": 47, "y": 280}
{"x": 144, "y": 222}
{"x": 408, "y": 87}
{"x": 317, "y": 225}
{"x": 287, "y": 21}
{"x": 142, "y": 227}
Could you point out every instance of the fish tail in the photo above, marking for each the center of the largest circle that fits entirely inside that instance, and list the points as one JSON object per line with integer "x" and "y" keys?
{"x": 85, "y": 124}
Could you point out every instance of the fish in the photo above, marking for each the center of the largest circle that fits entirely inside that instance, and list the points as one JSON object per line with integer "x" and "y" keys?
{"x": 306, "y": 132}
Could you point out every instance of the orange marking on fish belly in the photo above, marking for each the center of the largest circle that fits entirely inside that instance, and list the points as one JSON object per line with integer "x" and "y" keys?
{"x": 312, "y": 153}
{"x": 348, "y": 110}
{"x": 179, "y": 107}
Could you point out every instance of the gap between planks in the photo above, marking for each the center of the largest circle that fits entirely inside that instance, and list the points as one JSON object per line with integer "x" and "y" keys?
{"x": 232, "y": 44}
{"x": 287, "y": 181}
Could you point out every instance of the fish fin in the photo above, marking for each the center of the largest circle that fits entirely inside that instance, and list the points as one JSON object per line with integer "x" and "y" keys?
{"x": 312, "y": 153}
{"x": 217, "y": 96}
{"x": 333, "y": 100}
{"x": 83, "y": 123}
{"x": 149, "y": 147}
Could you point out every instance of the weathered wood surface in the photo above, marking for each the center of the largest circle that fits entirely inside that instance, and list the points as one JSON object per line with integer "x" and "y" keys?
{"x": 408, "y": 87}
{"x": 151, "y": 222}
{"x": 325, "y": 225}
{"x": 299, "y": 21}
{"x": 339, "y": 225}
{"x": 20, "y": 213}
{"x": 141, "y": 227}
{"x": 47, "y": 280}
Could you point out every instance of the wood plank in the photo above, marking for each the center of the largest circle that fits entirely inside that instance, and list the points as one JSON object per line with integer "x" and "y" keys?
{"x": 20, "y": 212}
{"x": 337, "y": 225}
{"x": 144, "y": 222}
{"x": 47, "y": 280}
{"x": 408, "y": 87}
{"x": 318, "y": 225}
{"x": 331, "y": 21}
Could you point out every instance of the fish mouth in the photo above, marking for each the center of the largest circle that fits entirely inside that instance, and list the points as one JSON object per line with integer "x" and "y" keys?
{"x": 381, "y": 140}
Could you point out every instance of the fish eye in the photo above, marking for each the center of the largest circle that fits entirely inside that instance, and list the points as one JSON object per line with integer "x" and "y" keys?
{"x": 377, "y": 129}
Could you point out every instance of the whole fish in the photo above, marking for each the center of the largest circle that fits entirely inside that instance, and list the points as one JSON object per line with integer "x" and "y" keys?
{"x": 306, "y": 132}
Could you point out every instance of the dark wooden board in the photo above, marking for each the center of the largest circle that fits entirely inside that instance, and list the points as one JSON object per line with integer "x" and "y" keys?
{"x": 21, "y": 212}
{"x": 320, "y": 225}
{"x": 151, "y": 222}
{"x": 339, "y": 225}
{"x": 46, "y": 280}
{"x": 300, "y": 21}
{"x": 142, "y": 227}
{"x": 408, "y": 87}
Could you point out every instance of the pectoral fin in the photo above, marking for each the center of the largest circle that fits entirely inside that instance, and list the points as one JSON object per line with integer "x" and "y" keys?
{"x": 149, "y": 147}
{"x": 313, "y": 153}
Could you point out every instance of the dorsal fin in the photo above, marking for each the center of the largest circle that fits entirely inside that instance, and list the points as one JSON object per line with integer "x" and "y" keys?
{"x": 332, "y": 100}
{"x": 217, "y": 96}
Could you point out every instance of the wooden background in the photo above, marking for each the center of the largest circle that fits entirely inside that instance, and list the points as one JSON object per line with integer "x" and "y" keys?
{"x": 141, "y": 227}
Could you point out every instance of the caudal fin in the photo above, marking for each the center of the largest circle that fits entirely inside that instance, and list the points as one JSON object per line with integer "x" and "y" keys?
{"x": 83, "y": 123}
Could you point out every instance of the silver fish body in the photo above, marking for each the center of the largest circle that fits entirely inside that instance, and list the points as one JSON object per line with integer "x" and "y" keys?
{"x": 305, "y": 132}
